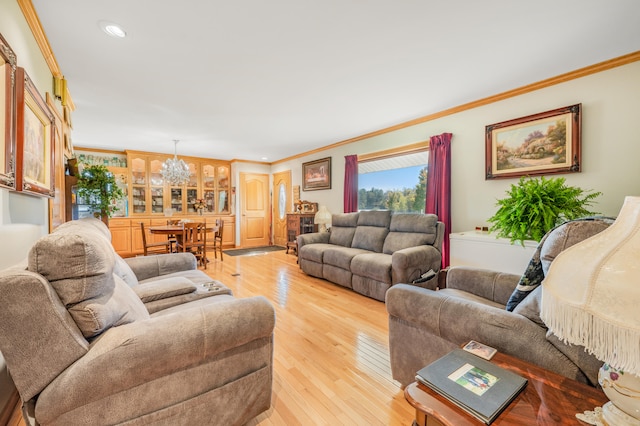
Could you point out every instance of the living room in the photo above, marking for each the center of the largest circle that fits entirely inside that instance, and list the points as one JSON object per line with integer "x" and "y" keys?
{"x": 609, "y": 92}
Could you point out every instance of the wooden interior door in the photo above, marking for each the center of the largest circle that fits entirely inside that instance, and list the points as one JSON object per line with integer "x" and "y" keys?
{"x": 254, "y": 210}
{"x": 282, "y": 204}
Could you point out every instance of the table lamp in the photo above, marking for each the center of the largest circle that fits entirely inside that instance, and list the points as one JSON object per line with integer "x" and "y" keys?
{"x": 591, "y": 297}
{"x": 323, "y": 219}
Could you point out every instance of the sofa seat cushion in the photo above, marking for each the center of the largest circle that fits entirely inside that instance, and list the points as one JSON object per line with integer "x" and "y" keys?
{"x": 314, "y": 252}
{"x": 376, "y": 266}
{"x": 340, "y": 256}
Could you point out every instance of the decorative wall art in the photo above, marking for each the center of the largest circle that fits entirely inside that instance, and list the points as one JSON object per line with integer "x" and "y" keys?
{"x": 316, "y": 174}
{"x": 8, "y": 66}
{"x": 540, "y": 144}
{"x": 34, "y": 139}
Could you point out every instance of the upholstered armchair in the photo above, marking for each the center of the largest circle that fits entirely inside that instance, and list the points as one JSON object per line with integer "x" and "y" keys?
{"x": 82, "y": 347}
{"x": 425, "y": 325}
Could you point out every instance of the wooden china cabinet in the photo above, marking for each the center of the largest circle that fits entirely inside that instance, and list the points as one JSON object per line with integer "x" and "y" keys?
{"x": 149, "y": 199}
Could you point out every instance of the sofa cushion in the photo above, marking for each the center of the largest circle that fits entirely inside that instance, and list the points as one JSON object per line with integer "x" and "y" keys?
{"x": 78, "y": 261}
{"x": 369, "y": 238}
{"x": 343, "y": 226}
{"x": 530, "y": 307}
{"x": 116, "y": 305}
{"x": 379, "y": 218}
{"x": 340, "y": 256}
{"x": 314, "y": 252}
{"x": 410, "y": 230}
{"x": 77, "y": 264}
{"x": 376, "y": 266}
{"x": 163, "y": 288}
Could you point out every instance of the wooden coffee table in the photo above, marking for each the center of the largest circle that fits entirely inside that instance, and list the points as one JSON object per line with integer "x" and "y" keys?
{"x": 548, "y": 399}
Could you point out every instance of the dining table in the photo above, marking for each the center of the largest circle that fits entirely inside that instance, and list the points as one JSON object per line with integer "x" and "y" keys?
{"x": 176, "y": 230}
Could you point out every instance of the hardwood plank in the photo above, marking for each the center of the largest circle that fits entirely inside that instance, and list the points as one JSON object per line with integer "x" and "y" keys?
{"x": 331, "y": 356}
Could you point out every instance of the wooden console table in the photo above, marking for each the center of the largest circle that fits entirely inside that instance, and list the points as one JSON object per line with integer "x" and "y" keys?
{"x": 548, "y": 399}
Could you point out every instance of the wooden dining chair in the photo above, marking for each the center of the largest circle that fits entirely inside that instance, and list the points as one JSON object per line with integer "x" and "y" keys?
{"x": 161, "y": 247}
{"x": 173, "y": 237}
{"x": 194, "y": 240}
{"x": 217, "y": 239}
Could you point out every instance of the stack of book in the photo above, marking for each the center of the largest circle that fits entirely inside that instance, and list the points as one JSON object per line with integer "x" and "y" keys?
{"x": 476, "y": 385}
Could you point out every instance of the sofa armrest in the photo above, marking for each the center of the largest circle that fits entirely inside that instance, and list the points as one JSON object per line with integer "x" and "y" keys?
{"x": 408, "y": 264}
{"x": 459, "y": 320}
{"x": 492, "y": 285}
{"x": 312, "y": 238}
{"x": 138, "y": 353}
{"x": 162, "y": 264}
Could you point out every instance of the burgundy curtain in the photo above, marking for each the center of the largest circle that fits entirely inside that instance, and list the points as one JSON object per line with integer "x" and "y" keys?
{"x": 439, "y": 186}
{"x": 351, "y": 184}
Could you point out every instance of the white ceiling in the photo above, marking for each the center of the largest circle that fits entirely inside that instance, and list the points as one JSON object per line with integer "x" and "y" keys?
{"x": 256, "y": 79}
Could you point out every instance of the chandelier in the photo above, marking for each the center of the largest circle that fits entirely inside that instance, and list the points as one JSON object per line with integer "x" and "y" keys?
{"x": 174, "y": 171}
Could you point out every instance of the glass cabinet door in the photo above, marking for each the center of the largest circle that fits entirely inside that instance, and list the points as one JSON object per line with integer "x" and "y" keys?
{"x": 138, "y": 166}
{"x": 156, "y": 186}
{"x": 209, "y": 200}
{"x": 192, "y": 196}
{"x": 176, "y": 199}
{"x": 223, "y": 189}
{"x": 192, "y": 188}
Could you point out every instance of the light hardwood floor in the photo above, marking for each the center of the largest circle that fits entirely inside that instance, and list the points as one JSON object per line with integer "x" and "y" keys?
{"x": 331, "y": 357}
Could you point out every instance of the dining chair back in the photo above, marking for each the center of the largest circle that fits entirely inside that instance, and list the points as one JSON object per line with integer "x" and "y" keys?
{"x": 172, "y": 237}
{"x": 194, "y": 239}
{"x": 148, "y": 248}
{"x": 217, "y": 239}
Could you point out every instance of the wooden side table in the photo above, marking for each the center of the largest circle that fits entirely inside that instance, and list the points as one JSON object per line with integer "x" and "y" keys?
{"x": 548, "y": 399}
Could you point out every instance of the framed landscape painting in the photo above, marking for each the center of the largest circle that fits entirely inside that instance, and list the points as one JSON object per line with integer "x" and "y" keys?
{"x": 540, "y": 144}
{"x": 34, "y": 139}
{"x": 316, "y": 174}
{"x": 7, "y": 114}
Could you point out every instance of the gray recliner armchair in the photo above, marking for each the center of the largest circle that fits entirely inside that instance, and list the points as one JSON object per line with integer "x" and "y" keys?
{"x": 425, "y": 325}
{"x": 83, "y": 348}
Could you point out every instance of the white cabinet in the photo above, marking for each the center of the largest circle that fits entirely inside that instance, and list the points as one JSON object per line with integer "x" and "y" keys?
{"x": 483, "y": 250}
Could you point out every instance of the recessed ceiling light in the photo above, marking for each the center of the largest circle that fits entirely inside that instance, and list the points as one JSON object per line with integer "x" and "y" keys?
{"x": 114, "y": 30}
{"x": 265, "y": 158}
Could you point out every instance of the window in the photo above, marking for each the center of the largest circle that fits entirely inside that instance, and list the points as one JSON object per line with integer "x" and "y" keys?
{"x": 395, "y": 182}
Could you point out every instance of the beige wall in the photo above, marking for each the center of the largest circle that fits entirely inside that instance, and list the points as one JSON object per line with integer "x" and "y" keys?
{"x": 610, "y": 145}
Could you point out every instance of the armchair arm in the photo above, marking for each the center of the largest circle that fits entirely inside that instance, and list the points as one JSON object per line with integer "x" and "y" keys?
{"x": 312, "y": 238}
{"x": 408, "y": 264}
{"x": 492, "y": 285}
{"x": 459, "y": 320}
{"x": 162, "y": 264}
{"x": 139, "y": 353}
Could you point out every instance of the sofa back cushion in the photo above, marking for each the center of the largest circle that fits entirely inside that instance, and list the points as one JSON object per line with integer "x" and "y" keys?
{"x": 343, "y": 226}
{"x": 410, "y": 230}
{"x": 373, "y": 227}
{"x": 78, "y": 261}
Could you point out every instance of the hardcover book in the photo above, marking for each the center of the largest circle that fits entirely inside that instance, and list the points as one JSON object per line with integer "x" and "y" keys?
{"x": 477, "y": 386}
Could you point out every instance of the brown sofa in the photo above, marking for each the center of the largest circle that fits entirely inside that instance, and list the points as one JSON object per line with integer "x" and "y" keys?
{"x": 370, "y": 251}
{"x": 91, "y": 339}
{"x": 425, "y": 325}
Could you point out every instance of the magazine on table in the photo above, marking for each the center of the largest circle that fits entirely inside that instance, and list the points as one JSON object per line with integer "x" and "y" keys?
{"x": 478, "y": 386}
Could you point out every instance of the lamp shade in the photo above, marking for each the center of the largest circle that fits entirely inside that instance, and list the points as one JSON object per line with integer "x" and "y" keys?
{"x": 323, "y": 218}
{"x": 591, "y": 297}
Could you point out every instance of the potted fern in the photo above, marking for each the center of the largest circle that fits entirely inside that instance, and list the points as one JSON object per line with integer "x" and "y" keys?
{"x": 534, "y": 206}
{"x": 98, "y": 187}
